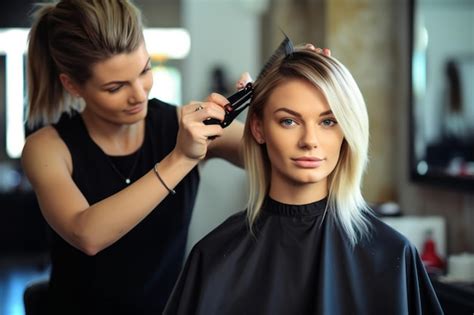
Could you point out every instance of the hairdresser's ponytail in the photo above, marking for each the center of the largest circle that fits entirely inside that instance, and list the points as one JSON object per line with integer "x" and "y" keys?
{"x": 45, "y": 92}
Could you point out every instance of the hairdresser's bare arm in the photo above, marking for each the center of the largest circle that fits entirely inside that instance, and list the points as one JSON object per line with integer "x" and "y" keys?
{"x": 91, "y": 228}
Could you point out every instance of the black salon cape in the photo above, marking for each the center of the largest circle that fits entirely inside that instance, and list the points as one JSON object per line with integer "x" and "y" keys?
{"x": 300, "y": 262}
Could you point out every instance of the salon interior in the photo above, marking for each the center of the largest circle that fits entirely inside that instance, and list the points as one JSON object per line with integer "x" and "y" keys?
{"x": 413, "y": 61}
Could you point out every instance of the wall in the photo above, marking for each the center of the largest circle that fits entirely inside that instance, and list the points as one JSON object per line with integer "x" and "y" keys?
{"x": 360, "y": 34}
{"x": 303, "y": 21}
{"x": 371, "y": 38}
{"x": 160, "y": 13}
{"x": 222, "y": 33}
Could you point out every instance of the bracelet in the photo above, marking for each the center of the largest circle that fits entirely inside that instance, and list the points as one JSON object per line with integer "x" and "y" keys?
{"x": 171, "y": 191}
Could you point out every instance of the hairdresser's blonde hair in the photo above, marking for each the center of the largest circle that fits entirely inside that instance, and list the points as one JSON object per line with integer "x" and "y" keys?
{"x": 69, "y": 37}
{"x": 345, "y": 201}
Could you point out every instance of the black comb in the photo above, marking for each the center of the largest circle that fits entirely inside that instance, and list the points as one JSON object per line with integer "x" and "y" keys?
{"x": 284, "y": 49}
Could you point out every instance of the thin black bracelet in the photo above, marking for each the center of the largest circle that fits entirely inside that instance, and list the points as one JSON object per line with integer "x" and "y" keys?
{"x": 171, "y": 191}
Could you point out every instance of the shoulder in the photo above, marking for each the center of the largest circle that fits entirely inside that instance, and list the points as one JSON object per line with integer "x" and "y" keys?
{"x": 384, "y": 237}
{"x": 224, "y": 237}
{"x": 44, "y": 148}
{"x": 43, "y": 139}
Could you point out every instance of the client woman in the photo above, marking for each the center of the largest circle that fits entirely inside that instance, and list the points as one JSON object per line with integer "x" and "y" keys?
{"x": 308, "y": 243}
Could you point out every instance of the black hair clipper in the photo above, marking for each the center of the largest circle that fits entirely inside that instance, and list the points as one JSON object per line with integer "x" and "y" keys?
{"x": 237, "y": 103}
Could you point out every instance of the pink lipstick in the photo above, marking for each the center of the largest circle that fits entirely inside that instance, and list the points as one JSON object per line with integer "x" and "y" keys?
{"x": 308, "y": 162}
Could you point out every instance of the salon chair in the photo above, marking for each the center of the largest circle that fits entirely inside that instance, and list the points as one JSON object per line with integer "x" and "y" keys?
{"x": 35, "y": 297}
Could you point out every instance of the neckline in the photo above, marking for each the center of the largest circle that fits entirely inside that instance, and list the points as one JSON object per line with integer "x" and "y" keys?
{"x": 315, "y": 208}
{"x": 81, "y": 120}
{"x": 127, "y": 178}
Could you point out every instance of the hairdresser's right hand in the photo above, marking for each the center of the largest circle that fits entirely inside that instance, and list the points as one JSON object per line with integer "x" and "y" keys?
{"x": 194, "y": 136}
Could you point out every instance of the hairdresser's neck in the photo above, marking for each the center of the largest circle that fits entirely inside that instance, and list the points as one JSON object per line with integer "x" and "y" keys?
{"x": 113, "y": 138}
{"x": 297, "y": 193}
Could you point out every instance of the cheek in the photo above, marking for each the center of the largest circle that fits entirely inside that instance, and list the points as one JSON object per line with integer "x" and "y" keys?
{"x": 148, "y": 81}
{"x": 106, "y": 101}
{"x": 332, "y": 147}
{"x": 278, "y": 143}
{"x": 279, "y": 152}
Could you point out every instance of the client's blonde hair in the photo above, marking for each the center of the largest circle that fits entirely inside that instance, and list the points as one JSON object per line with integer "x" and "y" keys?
{"x": 345, "y": 201}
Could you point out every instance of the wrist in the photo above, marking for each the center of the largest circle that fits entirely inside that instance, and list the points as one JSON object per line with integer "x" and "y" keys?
{"x": 178, "y": 159}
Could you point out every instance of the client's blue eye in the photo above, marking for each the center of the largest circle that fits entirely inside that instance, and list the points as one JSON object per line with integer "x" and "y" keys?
{"x": 328, "y": 122}
{"x": 287, "y": 122}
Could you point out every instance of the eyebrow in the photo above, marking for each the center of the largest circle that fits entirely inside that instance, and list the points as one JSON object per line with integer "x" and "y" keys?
{"x": 122, "y": 82}
{"x": 292, "y": 112}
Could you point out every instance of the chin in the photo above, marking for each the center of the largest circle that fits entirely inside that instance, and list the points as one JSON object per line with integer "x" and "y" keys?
{"x": 132, "y": 119}
{"x": 313, "y": 178}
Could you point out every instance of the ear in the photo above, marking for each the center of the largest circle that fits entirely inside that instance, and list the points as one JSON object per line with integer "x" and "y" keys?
{"x": 256, "y": 126}
{"x": 69, "y": 85}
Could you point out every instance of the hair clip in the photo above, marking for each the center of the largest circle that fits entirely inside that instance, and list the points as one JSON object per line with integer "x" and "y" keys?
{"x": 237, "y": 103}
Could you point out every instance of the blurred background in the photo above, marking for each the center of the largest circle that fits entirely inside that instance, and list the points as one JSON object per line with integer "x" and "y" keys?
{"x": 413, "y": 60}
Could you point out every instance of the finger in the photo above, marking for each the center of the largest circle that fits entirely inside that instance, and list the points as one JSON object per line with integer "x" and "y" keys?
{"x": 243, "y": 80}
{"x": 327, "y": 52}
{"x": 310, "y": 47}
{"x": 212, "y": 131}
{"x": 208, "y": 110}
{"x": 217, "y": 99}
{"x": 191, "y": 107}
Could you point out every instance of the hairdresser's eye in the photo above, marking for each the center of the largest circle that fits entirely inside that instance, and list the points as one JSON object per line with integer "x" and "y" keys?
{"x": 148, "y": 68}
{"x": 114, "y": 89}
{"x": 287, "y": 122}
{"x": 329, "y": 122}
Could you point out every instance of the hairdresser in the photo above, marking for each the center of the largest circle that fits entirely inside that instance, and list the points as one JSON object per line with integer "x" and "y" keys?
{"x": 114, "y": 172}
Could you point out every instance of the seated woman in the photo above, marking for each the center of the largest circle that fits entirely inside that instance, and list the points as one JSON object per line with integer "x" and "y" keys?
{"x": 307, "y": 243}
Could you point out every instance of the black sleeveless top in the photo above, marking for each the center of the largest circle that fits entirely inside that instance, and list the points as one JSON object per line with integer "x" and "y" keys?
{"x": 136, "y": 274}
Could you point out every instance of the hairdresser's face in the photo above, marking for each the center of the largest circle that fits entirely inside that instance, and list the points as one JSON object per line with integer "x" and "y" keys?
{"x": 118, "y": 90}
{"x": 302, "y": 136}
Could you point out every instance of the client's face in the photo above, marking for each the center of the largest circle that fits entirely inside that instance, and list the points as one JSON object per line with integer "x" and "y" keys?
{"x": 302, "y": 136}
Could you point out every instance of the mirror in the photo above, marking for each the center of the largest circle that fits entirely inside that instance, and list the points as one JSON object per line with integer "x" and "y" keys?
{"x": 442, "y": 92}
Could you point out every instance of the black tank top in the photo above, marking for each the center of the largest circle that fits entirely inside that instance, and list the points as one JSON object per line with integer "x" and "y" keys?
{"x": 136, "y": 274}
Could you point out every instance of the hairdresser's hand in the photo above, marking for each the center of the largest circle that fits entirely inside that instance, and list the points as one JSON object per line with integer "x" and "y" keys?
{"x": 324, "y": 51}
{"x": 244, "y": 79}
{"x": 194, "y": 136}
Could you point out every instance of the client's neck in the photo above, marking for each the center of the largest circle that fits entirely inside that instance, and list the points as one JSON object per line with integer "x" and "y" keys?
{"x": 298, "y": 194}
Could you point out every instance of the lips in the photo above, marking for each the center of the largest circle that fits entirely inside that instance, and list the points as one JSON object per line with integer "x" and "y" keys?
{"x": 308, "y": 162}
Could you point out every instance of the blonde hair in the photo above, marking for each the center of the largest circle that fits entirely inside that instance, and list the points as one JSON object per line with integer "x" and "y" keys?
{"x": 69, "y": 37}
{"x": 345, "y": 201}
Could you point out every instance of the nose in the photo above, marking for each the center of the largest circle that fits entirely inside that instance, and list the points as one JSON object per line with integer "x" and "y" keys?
{"x": 139, "y": 92}
{"x": 309, "y": 138}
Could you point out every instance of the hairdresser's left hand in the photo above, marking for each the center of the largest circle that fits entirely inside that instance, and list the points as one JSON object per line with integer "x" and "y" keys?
{"x": 324, "y": 51}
